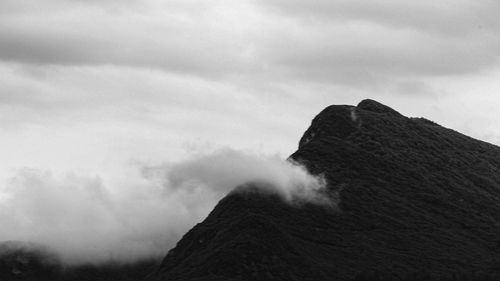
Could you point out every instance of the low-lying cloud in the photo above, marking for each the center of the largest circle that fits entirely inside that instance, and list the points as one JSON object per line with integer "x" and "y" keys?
{"x": 142, "y": 213}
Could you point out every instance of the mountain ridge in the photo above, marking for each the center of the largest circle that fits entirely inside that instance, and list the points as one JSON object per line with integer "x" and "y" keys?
{"x": 411, "y": 200}
{"x": 416, "y": 199}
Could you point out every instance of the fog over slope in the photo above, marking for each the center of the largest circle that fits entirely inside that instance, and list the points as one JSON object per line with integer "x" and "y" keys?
{"x": 142, "y": 213}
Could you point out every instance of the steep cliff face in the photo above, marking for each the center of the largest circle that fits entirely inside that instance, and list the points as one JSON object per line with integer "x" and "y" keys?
{"x": 417, "y": 200}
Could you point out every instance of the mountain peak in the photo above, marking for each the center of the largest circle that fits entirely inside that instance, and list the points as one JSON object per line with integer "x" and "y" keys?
{"x": 375, "y": 106}
{"x": 417, "y": 201}
{"x": 341, "y": 121}
{"x": 334, "y": 121}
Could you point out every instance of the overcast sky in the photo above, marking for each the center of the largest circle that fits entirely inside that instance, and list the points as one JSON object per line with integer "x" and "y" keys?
{"x": 90, "y": 87}
{"x": 90, "y": 84}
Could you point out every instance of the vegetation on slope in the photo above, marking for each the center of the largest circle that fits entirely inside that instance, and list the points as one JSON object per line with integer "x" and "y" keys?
{"x": 417, "y": 202}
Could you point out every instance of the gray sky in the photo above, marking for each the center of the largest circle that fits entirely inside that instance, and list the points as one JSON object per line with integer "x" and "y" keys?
{"x": 89, "y": 84}
{"x": 94, "y": 87}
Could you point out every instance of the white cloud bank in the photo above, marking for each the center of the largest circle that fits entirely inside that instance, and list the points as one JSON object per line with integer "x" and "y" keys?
{"x": 141, "y": 214}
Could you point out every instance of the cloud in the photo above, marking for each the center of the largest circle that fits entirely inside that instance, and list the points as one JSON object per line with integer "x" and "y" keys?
{"x": 447, "y": 18}
{"x": 139, "y": 215}
{"x": 381, "y": 43}
{"x": 174, "y": 37}
{"x": 351, "y": 43}
{"x": 226, "y": 169}
{"x": 261, "y": 46}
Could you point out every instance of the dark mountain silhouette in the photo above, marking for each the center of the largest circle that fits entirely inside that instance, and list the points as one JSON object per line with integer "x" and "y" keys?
{"x": 417, "y": 202}
{"x": 22, "y": 261}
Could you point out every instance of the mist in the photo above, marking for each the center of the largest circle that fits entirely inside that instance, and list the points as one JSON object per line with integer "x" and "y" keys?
{"x": 142, "y": 212}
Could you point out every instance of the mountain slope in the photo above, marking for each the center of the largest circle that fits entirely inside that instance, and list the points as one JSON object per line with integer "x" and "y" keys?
{"x": 417, "y": 202}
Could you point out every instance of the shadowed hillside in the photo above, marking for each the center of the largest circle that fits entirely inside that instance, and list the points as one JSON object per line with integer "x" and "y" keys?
{"x": 21, "y": 261}
{"x": 417, "y": 202}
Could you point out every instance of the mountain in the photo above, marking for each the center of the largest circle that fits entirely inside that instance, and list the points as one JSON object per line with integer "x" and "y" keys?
{"x": 416, "y": 201}
{"x": 23, "y": 261}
